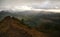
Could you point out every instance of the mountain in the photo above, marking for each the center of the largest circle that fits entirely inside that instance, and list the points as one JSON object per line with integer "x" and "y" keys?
{"x": 21, "y": 14}
{"x": 25, "y": 25}
{"x": 32, "y": 18}
{"x": 12, "y": 27}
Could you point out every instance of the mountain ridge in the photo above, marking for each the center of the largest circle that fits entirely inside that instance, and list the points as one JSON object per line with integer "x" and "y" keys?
{"x": 14, "y": 28}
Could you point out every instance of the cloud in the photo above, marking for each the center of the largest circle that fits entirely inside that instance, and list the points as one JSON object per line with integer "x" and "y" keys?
{"x": 36, "y": 4}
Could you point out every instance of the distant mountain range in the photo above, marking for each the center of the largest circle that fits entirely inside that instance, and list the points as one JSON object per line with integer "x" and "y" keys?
{"x": 32, "y": 18}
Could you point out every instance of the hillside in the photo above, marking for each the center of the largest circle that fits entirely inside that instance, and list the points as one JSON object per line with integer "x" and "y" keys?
{"x": 20, "y": 24}
{"x": 12, "y": 27}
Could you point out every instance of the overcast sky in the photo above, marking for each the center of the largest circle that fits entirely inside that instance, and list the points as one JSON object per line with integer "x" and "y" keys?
{"x": 36, "y": 4}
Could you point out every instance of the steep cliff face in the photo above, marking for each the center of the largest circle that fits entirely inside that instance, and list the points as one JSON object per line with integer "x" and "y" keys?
{"x": 12, "y": 27}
